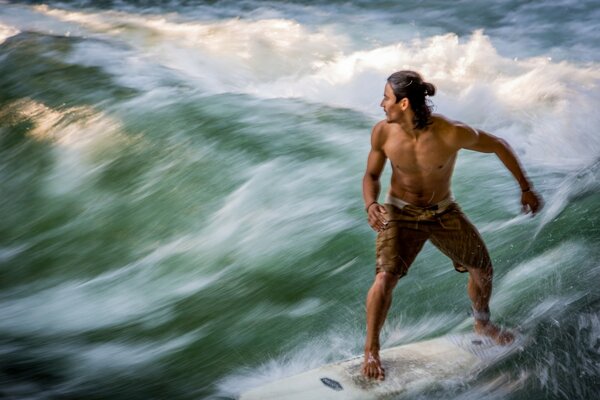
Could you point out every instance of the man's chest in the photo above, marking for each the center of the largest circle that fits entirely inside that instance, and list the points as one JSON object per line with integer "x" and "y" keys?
{"x": 424, "y": 155}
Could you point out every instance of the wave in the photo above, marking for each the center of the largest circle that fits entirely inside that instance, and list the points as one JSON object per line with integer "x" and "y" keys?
{"x": 526, "y": 100}
{"x": 7, "y": 31}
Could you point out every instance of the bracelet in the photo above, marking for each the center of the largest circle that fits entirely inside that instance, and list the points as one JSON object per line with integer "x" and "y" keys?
{"x": 369, "y": 206}
{"x": 526, "y": 190}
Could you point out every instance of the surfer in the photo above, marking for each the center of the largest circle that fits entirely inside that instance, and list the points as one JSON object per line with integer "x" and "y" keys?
{"x": 422, "y": 148}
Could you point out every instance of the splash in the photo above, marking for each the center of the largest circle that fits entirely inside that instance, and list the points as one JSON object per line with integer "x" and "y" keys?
{"x": 7, "y": 31}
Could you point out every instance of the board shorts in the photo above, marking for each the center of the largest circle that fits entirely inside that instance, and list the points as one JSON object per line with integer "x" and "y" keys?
{"x": 448, "y": 229}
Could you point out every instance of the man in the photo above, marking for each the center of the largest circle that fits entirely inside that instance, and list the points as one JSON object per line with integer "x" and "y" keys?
{"x": 422, "y": 149}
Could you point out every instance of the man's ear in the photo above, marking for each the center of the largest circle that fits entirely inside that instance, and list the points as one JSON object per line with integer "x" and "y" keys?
{"x": 404, "y": 103}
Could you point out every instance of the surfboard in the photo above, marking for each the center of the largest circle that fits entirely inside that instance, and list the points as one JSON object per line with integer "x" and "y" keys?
{"x": 408, "y": 369}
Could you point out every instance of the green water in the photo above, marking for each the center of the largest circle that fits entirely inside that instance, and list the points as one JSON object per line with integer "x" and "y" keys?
{"x": 172, "y": 226}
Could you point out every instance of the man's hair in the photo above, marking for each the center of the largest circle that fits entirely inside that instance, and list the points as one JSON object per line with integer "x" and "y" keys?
{"x": 410, "y": 84}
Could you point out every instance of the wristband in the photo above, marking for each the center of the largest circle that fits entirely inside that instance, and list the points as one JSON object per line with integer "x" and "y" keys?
{"x": 369, "y": 206}
{"x": 526, "y": 190}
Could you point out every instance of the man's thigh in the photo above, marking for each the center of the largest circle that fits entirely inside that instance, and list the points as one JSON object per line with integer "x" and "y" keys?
{"x": 459, "y": 239}
{"x": 397, "y": 247}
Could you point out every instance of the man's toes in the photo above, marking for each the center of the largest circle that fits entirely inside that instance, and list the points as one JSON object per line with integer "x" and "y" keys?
{"x": 374, "y": 372}
{"x": 506, "y": 337}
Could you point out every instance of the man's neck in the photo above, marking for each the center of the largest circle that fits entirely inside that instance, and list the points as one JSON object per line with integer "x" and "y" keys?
{"x": 409, "y": 128}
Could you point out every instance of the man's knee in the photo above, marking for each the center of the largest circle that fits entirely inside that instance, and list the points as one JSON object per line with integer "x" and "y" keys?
{"x": 386, "y": 281}
{"x": 484, "y": 272}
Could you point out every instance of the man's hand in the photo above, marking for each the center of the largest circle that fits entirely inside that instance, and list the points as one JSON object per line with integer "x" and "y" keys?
{"x": 532, "y": 202}
{"x": 377, "y": 218}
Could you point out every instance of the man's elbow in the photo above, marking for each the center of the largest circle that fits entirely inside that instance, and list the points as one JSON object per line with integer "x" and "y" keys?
{"x": 371, "y": 177}
{"x": 501, "y": 146}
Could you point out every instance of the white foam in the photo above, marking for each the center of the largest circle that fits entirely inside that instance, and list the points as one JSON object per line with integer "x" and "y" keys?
{"x": 91, "y": 20}
{"x": 552, "y": 306}
{"x": 343, "y": 267}
{"x": 217, "y": 55}
{"x": 398, "y": 331}
{"x": 137, "y": 292}
{"x": 7, "y": 31}
{"x": 544, "y": 108}
{"x": 281, "y": 202}
{"x": 10, "y": 252}
{"x": 77, "y": 134}
{"x": 531, "y": 271}
{"x": 569, "y": 187}
{"x": 266, "y": 310}
{"x": 528, "y": 277}
{"x": 498, "y": 387}
{"x": 589, "y": 328}
{"x": 22, "y": 18}
{"x": 327, "y": 347}
{"x": 336, "y": 344}
{"x": 121, "y": 356}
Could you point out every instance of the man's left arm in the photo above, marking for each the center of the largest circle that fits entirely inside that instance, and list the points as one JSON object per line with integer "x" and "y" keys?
{"x": 478, "y": 140}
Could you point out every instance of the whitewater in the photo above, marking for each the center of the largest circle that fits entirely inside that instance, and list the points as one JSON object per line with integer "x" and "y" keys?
{"x": 181, "y": 213}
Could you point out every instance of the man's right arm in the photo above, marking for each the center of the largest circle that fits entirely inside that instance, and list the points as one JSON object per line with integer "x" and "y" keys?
{"x": 371, "y": 185}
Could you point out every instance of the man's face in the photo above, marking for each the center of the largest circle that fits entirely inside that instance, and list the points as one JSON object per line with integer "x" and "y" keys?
{"x": 393, "y": 110}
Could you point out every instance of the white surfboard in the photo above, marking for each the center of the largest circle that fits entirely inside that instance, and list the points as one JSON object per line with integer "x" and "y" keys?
{"x": 408, "y": 369}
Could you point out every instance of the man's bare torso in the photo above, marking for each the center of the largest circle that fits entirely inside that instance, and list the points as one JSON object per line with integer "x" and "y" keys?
{"x": 422, "y": 164}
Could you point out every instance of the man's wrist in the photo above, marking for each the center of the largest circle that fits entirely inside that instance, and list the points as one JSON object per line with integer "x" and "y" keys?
{"x": 369, "y": 205}
{"x": 525, "y": 185}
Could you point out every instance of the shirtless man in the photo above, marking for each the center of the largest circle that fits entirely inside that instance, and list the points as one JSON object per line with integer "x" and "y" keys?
{"x": 422, "y": 149}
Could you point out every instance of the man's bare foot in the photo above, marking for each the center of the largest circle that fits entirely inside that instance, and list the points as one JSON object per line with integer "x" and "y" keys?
{"x": 372, "y": 366}
{"x": 498, "y": 335}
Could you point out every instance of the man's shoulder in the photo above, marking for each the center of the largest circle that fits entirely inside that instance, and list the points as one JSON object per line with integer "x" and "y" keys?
{"x": 443, "y": 123}
{"x": 379, "y": 134}
{"x": 453, "y": 132}
{"x": 380, "y": 128}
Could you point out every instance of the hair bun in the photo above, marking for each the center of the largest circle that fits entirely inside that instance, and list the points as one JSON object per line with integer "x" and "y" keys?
{"x": 429, "y": 89}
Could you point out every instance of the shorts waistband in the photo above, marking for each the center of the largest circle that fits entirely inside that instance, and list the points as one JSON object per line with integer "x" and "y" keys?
{"x": 436, "y": 208}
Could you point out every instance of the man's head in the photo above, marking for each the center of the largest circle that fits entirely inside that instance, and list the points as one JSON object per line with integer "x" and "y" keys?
{"x": 406, "y": 89}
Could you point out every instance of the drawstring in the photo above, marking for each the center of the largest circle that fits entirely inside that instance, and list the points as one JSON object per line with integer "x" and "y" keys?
{"x": 430, "y": 213}
{"x": 426, "y": 214}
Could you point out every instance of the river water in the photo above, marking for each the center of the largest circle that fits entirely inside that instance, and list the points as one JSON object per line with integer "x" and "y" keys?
{"x": 181, "y": 213}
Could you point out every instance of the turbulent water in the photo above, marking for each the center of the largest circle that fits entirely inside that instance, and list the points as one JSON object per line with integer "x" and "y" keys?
{"x": 181, "y": 213}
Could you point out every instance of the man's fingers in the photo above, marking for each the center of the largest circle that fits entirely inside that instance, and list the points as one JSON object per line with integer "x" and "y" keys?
{"x": 531, "y": 203}
{"x": 377, "y": 219}
{"x": 531, "y": 207}
{"x": 375, "y": 224}
{"x": 380, "y": 373}
{"x": 381, "y": 215}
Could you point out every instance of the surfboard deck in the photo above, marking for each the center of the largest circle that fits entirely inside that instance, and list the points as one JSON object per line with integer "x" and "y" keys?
{"x": 408, "y": 368}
